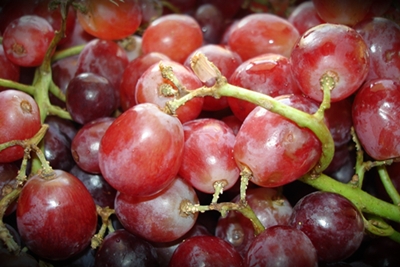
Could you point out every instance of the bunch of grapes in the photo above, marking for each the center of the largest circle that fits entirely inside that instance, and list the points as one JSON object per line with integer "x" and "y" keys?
{"x": 199, "y": 133}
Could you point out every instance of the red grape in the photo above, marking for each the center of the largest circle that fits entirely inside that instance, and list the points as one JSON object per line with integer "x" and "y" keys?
{"x": 56, "y": 216}
{"x": 86, "y": 142}
{"x": 19, "y": 120}
{"x": 376, "y": 118}
{"x": 333, "y": 224}
{"x": 110, "y": 20}
{"x": 382, "y": 36}
{"x": 205, "y": 251}
{"x": 158, "y": 218}
{"x": 274, "y": 148}
{"x": 208, "y": 155}
{"x": 262, "y": 33}
{"x": 330, "y": 49}
{"x": 281, "y": 246}
{"x": 304, "y": 16}
{"x": 342, "y": 11}
{"x": 174, "y": 35}
{"x": 26, "y": 40}
{"x": 8, "y": 70}
{"x": 141, "y": 151}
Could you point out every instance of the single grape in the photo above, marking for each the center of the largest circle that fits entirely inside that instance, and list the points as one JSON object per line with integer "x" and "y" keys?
{"x": 166, "y": 35}
{"x": 141, "y": 151}
{"x": 376, "y": 118}
{"x": 281, "y": 245}
{"x": 158, "y": 218}
{"x": 89, "y": 97}
{"x": 121, "y": 248}
{"x": 208, "y": 155}
{"x": 211, "y": 22}
{"x": 110, "y": 20}
{"x": 333, "y": 224}
{"x": 304, "y": 16}
{"x": 382, "y": 36}
{"x": 205, "y": 251}
{"x": 8, "y": 70}
{"x": 274, "y": 148}
{"x": 19, "y": 120}
{"x": 86, "y": 143}
{"x": 56, "y": 215}
{"x": 261, "y": 33}
{"x": 26, "y": 40}
{"x": 330, "y": 49}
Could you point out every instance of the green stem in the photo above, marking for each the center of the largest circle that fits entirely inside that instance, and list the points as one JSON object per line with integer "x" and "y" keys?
{"x": 364, "y": 201}
{"x": 68, "y": 52}
{"x": 29, "y": 89}
{"x": 388, "y": 184}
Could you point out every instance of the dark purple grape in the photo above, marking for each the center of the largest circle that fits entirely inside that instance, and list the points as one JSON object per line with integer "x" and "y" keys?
{"x": 21, "y": 260}
{"x": 103, "y": 194}
{"x": 85, "y": 145}
{"x": 281, "y": 245}
{"x": 207, "y": 251}
{"x": 122, "y": 248}
{"x": 333, "y": 224}
{"x": 211, "y": 22}
{"x": 89, "y": 97}
{"x": 57, "y": 143}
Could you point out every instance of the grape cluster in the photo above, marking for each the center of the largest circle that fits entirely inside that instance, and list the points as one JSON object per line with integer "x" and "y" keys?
{"x": 199, "y": 133}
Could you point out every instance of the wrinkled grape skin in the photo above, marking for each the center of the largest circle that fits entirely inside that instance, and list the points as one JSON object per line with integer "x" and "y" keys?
{"x": 148, "y": 89}
{"x": 166, "y": 35}
{"x": 333, "y": 224}
{"x": 376, "y": 118}
{"x": 126, "y": 17}
{"x": 205, "y": 251}
{"x": 26, "y": 39}
{"x": 383, "y": 39}
{"x": 281, "y": 246}
{"x": 164, "y": 222}
{"x": 19, "y": 120}
{"x": 270, "y": 207}
{"x": 141, "y": 151}
{"x": 330, "y": 48}
{"x": 258, "y": 34}
{"x": 208, "y": 154}
{"x": 269, "y": 74}
{"x": 56, "y": 218}
{"x": 121, "y": 248}
{"x": 275, "y": 149}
